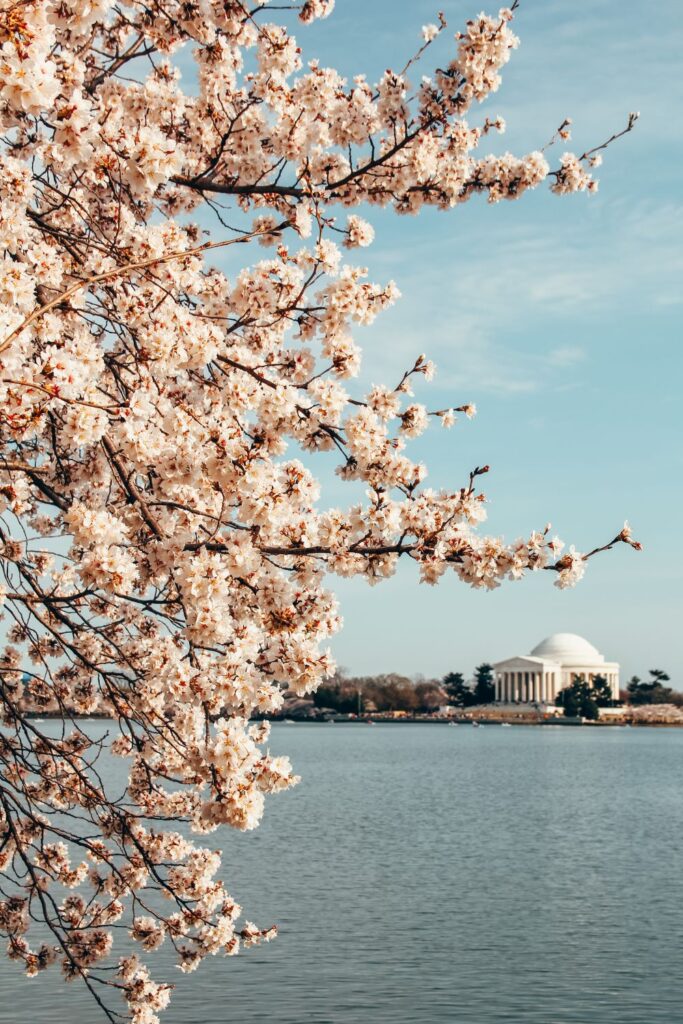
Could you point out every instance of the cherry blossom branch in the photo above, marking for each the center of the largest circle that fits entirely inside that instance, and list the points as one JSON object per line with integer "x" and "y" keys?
{"x": 129, "y": 268}
{"x": 163, "y": 546}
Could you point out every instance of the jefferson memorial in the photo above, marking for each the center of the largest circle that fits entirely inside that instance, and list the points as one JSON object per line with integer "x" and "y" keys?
{"x": 538, "y": 677}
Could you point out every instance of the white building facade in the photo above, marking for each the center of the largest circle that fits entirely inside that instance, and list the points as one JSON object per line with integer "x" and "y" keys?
{"x": 538, "y": 677}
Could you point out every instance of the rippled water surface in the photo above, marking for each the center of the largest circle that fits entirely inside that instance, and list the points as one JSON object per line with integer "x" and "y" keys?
{"x": 425, "y": 874}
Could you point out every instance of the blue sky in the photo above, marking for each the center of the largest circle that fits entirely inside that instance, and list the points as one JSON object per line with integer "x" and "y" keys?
{"x": 561, "y": 319}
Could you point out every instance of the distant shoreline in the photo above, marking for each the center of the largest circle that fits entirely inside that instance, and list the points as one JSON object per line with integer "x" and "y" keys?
{"x": 548, "y": 722}
{"x": 375, "y": 719}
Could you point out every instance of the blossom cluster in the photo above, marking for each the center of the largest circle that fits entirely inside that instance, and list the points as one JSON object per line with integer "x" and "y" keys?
{"x": 161, "y": 419}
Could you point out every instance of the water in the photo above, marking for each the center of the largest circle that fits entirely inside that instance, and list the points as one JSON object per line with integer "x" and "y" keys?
{"x": 427, "y": 874}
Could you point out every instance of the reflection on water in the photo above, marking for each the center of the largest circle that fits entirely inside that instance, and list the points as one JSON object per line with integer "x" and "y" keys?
{"x": 426, "y": 875}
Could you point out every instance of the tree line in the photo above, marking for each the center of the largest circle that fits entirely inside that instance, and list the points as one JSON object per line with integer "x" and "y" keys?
{"x": 463, "y": 695}
{"x": 652, "y": 690}
{"x": 395, "y": 692}
{"x": 388, "y": 692}
{"x": 583, "y": 699}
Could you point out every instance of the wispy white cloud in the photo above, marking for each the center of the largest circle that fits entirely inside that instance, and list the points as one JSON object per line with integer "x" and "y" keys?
{"x": 489, "y": 310}
{"x": 566, "y": 355}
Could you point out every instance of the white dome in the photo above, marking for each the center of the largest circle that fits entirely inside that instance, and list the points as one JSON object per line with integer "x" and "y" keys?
{"x": 567, "y": 649}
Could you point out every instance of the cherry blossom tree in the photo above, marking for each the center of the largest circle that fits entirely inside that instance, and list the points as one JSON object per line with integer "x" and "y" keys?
{"x": 162, "y": 539}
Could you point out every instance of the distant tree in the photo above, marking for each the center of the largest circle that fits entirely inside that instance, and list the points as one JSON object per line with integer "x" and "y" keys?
{"x": 430, "y": 695}
{"x": 578, "y": 700}
{"x": 568, "y": 700}
{"x": 632, "y": 687}
{"x": 338, "y": 695}
{"x": 484, "y": 685}
{"x": 602, "y": 692}
{"x": 457, "y": 690}
{"x": 391, "y": 692}
{"x": 651, "y": 692}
